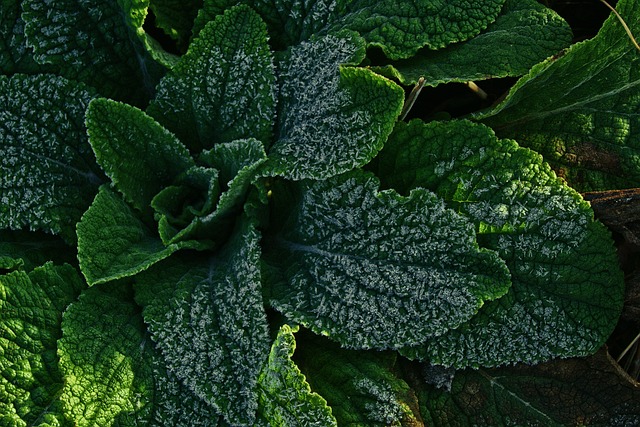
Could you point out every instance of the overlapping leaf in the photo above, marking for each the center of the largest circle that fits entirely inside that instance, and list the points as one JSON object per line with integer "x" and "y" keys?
{"x": 48, "y": 173}
{"x": 176, "y": 18}
{"x": 567, "y": 290}
{"x": 580, "y": 110}
{"x": 375, "y": 269}
{"x": 33, "y": 249}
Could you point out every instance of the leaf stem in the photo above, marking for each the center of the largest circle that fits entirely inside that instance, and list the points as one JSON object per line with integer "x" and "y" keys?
{"x": 411, "y": 99}
{"x": 624, "y": 352}
{"x": 624, "y": 24}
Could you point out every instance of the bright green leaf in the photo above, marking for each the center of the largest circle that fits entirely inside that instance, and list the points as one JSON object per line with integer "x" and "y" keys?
{"x": 330, "y": 119}
{"x": 94, "y": 42}
{"x": 223, "y": 87}
{"x": 139, "y": 155}
{"x": 284, "y": 396}
{"x": 524, "y": 34}
{"x": 48, "y": 174}
{"x": 31, "y": 307}
{"x": 567, "y": 288}
{"x": 207, "y": 317}
{"x": 114, "y": 243}
{"x": 375, "y": 269}
{"x": 580, "y": 111}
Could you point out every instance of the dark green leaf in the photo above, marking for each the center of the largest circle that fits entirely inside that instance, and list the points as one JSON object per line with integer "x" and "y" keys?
{"x": 34, "y": 249}
{"x": 176, "y": 18}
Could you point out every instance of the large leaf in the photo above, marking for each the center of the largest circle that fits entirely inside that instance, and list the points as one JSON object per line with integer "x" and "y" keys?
{"x": 48, "y": 174}
{"x": 284, "y": 396}
{"x": 94, "y": 42}
{"x": 524, "y": 33}
{"x": 113, "y": 374}
{"x": 330, "y": 119}
{"x": 31, "y": 307}
{"x": 223, "y": 87}
{"x": 207, "y": 317}
{"x": 375, "y": 269}
{"x": 138, "y": 154}
{"x": 586, "y": 391}
{"x": 567, "y": 288}
{"x": 580, "y": 110}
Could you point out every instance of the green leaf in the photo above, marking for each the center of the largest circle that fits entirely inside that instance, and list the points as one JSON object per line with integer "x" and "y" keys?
{"x": 284, "y": 396}
{"x": 176, "y": 18}
{"x": 48, "y": 174}
{"x": 580, "y": 110}
{"x": 567, "y": 288}
{"x": 207, "y": 317}
{"x": 96, "y": 43}
{"x": 139, "y": 155}
{"x": 362, "y": 388}
{"x": 31, "y": 307}
{"x": 114, "y": 243}
{"x": 585, "y": 391}
{"x": 524, "y": 33}
{"x": 113, "y": 373}
{"x": 34, "y": 249}
{"x": 223, "y": 87}
{"x": 330, "y": 119}
{"x": 375, "y": 269}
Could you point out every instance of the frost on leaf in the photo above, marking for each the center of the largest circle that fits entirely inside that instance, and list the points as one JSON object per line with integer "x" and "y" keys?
{"x": 223, "y": 87}
{"x": 567, "y": 291}
{"x": 48, "y": 174}
{"x": 330, "y": 119}
{"x": 374, "y": 269}
{"x": 207, "y": 317}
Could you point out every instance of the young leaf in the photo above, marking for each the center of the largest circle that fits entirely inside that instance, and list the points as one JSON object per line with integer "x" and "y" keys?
{"x": 524, "y": 33}
{"x": 377, "y": 270}
{"x": 330, "y": 119}
{"x": 567, "y": 288}
{"x": 284, "y": 396}
{"x": 94, "y": 42}
{"x": 139, "y": 155}
{"x": 223, "y": 87}
{"x": 580, "y": 110}
{"x": 586, "y": 391}
{"x": 48, "y": 174}
{"x": 114, "y": 243}
{"x": 362, "y": 388}
{"x": 31, "y": 307}
{"x": 207, "y": 317}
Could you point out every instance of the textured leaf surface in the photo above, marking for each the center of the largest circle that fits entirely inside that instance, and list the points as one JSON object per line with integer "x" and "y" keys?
{"x": 138, "y": 154}
{"x": 525, "y": 33}
{"x": 48, "y": 173}
{"x": 330, "y": 119}
{"x": 207, "y": 317}
{"x": 377, "y": 270}
{"x": 34, "y": 249}
{"x": 94, "y": 42}
{"x": 113, "y": 373}
{"x": 31, "y": 307}
{"x": 567, "y": 288}
{"x": 284, "y": 396}
{"x": 589, "y": 391}
{"x": 114, "y": 243}
{"x": 362, "y": 388}
{"x": 223, "y": 88}
{"x": 176, "y": 18}
{"x": 580, "y": 110}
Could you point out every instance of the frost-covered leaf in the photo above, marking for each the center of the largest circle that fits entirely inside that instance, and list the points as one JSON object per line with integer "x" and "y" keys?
{"x": 330, "y": 119}
{"x": 113, "y": 373}
{"x": 223, "y": 87}
{"x": 31, "y": 307}
{"x": 591, "y": 391}
{"x": 362, "y": 388}
{"x": 525, "y": 33}
{"x": 34, "y": 249}
{"x": 138, "y": 154}
{"x": 94, "y": 42}
{"x": 176, "y": 17}
{"x": 567, "y": 288}
{"x": 580, "y": 111}
{"x": 48, "y": 174}
{"x": 114, "y": 243}
{"x": 207, "y": 317}
{"x": 284, "y": 396}
{"x": 375, "y": 269}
